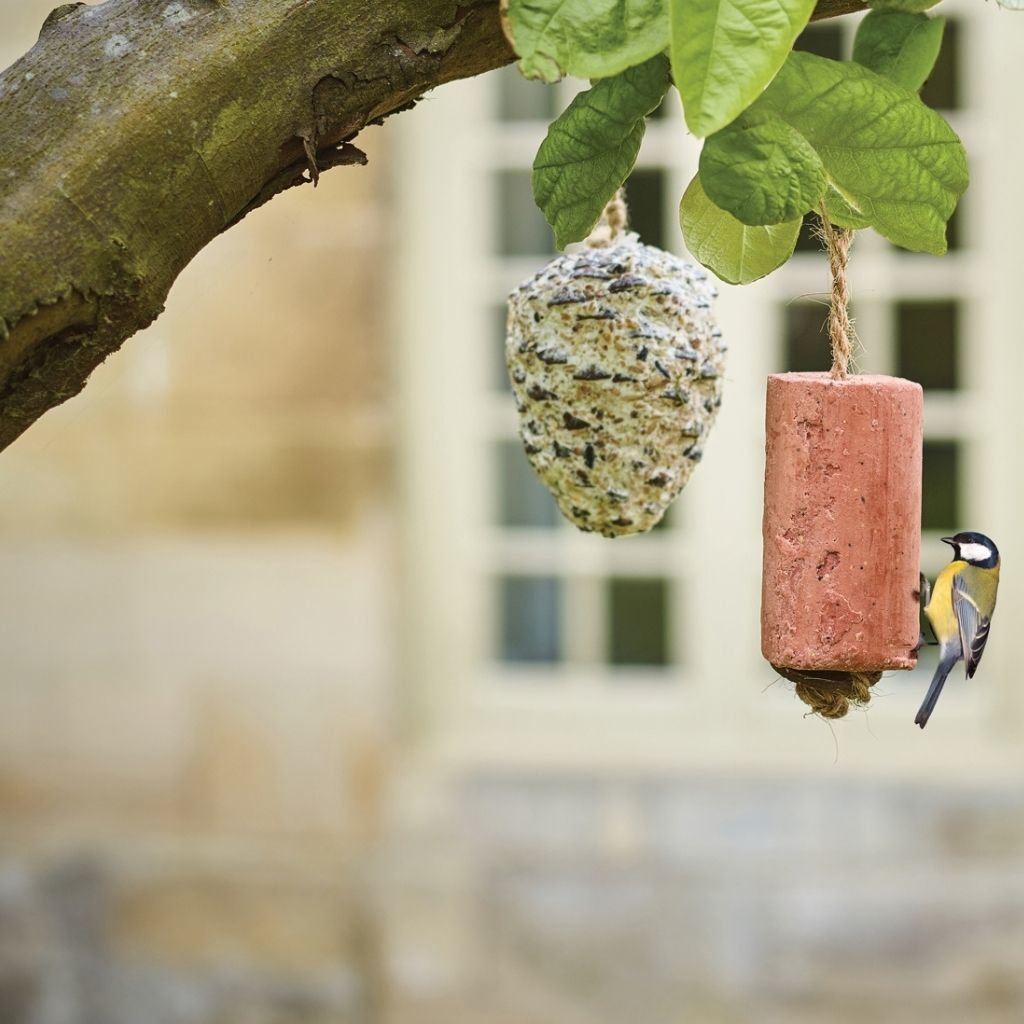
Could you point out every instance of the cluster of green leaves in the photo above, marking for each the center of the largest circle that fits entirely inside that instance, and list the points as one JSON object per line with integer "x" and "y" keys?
{"x": 785, "y": 132}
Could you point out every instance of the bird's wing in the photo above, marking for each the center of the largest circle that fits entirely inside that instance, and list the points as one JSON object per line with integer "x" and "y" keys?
{"x": 973, "y": 625}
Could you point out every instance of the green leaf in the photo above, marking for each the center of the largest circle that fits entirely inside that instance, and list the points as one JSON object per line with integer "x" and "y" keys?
{"x": 842, "y": 214}
{"x": 762, "y": 169}
{"x": 891, "y": 159}
{"x": 889, "y": 156}
{"x": 591, "y": 148}
{"x": 724, "y": 52}
{"x": 901, "y": 47}
{"x": 734, "y": 251}
{"x": 586, "y": 38}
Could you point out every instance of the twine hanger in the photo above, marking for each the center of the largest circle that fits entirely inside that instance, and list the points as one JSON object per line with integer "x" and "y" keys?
{"x": 613, "y": 223}
{"x": 840, "y": 328}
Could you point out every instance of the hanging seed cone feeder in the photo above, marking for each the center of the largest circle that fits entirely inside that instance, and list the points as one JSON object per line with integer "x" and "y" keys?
{"x": 616, "y": 367}
{"x": 842, "y": 521}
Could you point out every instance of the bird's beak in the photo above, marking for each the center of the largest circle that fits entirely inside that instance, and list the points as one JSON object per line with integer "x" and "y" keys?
{"x": 949, "y": 541}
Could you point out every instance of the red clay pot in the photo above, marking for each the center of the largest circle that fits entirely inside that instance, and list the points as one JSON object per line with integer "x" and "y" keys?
{"x": 842, "y": 522}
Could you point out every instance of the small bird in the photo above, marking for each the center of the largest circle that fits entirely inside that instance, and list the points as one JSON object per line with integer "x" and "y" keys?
{"x": 959, "y": 609}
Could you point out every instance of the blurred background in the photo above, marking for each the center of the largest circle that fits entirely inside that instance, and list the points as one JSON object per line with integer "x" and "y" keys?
{"x": 312, "y": 709}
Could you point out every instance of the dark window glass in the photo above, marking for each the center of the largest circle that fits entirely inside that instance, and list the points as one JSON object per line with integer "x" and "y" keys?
{"x": 942, "y": 89}
{"x": 807, "y": 240}
{"x": 806, "y": 337}
{"x": 927, "y": 343}
{"x": 522, "y": 499}
{"x": 638, "y": 621}
{"x": 668, "y": 106}
{"x": 522, "y": 230}
{"x": 530, "y": 620}
{"x": 524, "y": 99}
{"x": 668, "y": 520}
{"x": 823, "y": 40}
{"x": 498, "y": 376}
{"x": 645, "y": 193}
{"x": 940, "y": 504}
{"x": 954, "y": 230}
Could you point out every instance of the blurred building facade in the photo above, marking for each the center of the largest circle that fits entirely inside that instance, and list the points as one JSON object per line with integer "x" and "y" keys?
{"x": 312, "y": 709}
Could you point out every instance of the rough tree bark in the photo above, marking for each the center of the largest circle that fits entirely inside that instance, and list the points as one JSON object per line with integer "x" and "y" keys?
{"x": 136, "y": 131}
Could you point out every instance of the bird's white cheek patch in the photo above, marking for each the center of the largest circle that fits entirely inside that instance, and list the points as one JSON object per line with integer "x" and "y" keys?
{"x": 974, "y": 552}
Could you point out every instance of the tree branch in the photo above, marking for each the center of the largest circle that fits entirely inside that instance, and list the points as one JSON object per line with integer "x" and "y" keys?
{"x": 836, "y": 8}
{"x": 135, "y": 131}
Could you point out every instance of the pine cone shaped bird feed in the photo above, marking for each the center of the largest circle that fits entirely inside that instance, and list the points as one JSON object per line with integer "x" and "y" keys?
{"x": 616, "y": 368}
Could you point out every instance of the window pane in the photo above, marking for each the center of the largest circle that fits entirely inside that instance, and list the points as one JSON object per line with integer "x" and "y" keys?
{"x": 522, "y": 230}
{"x": 668, "y": 520}
{"x": 942, "y": 89}
{"x": 668, "y": 107}
{"x": 524, "y": 99}
{"x": 824, "y": 40}
{"x": 954, "y": 232}
{"x": 522, "y": 499}
{"x": 638, "y": 621}
{"x": 927, "y": 343}
{"x": 645, "y": 193}
{"x": 498, "y": 377}
{"x": 530, "y": 618}
{"x": 806, "y": 338}
{"x": 807, "y": 241}
{"x": 940, "y": 505}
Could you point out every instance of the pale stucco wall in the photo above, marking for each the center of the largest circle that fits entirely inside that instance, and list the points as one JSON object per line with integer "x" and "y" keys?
{"x": 197, "y": 566}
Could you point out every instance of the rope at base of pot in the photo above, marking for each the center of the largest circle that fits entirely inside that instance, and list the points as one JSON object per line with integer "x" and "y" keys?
{"x": 830, "y": 693}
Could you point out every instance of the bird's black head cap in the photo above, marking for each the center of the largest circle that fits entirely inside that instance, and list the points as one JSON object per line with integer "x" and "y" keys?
{"x": 975, "y": 549}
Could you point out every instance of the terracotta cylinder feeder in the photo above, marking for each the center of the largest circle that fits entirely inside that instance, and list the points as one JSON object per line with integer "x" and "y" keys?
{"x": 842, "y": 522}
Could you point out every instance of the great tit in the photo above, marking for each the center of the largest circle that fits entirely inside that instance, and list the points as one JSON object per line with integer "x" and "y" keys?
{"x": 959, "y": 609}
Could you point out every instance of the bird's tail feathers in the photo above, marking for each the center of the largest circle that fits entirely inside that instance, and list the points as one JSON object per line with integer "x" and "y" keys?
{"x": 945, "y": 666}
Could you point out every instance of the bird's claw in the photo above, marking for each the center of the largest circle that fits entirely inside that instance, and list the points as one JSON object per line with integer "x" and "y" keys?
{"x": 923, "y": 594}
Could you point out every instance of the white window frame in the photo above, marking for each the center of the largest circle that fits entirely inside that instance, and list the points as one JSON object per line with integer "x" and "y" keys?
{"x": 448, "y": 279}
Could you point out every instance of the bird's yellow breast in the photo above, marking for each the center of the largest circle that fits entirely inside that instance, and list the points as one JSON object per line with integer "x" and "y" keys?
{"x": 940, "y": 608}
{"x": 981, "y": 584}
